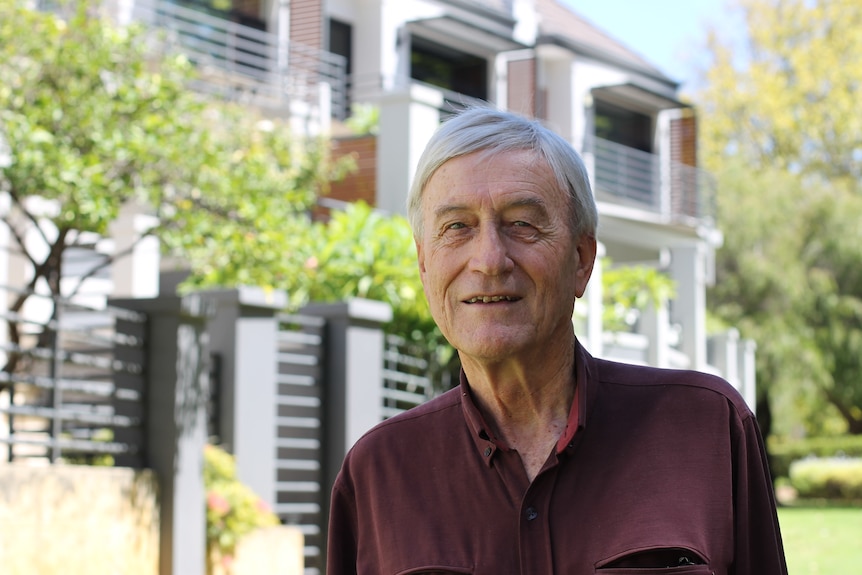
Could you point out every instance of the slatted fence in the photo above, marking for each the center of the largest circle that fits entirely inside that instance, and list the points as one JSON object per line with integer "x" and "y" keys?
{"x": 72, "y": 384}
{"x": 407, "y": 376}
{"x": 300, "y": 495}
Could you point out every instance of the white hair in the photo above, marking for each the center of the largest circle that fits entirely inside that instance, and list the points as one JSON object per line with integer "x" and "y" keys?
{"x": 486, "y": 129}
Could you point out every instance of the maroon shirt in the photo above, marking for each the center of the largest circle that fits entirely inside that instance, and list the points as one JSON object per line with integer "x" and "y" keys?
{"x": 664, "y": 469}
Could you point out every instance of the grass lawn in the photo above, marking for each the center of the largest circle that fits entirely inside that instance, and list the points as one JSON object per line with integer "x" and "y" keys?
{"x": 822, "y": 540}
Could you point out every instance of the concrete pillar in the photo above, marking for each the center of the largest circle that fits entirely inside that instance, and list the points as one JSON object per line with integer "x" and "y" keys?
{"x": 177, "y": 393}
{"x": 408, "y": 118}
{"x": 655, "y": 324}
{"x": 688, "y": 269}
{"x": 243, "y": 334}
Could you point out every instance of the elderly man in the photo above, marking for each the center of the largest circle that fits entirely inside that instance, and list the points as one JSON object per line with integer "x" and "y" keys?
{"x": 544, "y": 459}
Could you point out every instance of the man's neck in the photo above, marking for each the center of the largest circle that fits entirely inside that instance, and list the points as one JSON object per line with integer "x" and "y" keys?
{"x": 528, "y": 406}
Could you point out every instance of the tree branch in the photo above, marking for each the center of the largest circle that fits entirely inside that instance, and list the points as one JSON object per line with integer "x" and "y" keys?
{"x": 19, "y": 239}
{"x": 110, "y": 260}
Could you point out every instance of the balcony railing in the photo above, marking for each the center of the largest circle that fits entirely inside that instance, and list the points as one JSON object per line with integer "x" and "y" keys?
{"x": 640, "y": 179}
{"x": 238, "y": 60}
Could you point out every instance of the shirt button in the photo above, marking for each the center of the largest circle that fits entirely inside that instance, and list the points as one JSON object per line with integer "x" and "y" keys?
{"x": 531, "y": 513}
{"x": 487, "y": 451}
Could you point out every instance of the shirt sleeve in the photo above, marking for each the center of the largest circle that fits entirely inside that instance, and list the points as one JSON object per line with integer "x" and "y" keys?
{"x": 341, "y": 545}
{"x": 759, "y": 548}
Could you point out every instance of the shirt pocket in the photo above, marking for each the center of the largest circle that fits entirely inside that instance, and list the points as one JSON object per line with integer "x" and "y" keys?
{"x": 436, "y": 570}
{"x": 680, "y": 570}
{"x": 658, "y": 561}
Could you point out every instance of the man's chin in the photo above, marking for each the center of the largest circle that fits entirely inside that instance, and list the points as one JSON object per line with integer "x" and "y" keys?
{"x": 492, "y": 349}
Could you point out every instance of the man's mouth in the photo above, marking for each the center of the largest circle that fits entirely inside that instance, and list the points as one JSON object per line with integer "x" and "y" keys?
{"x": 491, "y": 299}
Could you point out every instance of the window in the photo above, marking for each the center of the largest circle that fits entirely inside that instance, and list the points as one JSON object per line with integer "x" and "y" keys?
{"x": 341, "y": 44}
{"x": 448, "y": 68}
{"x": 245, "y": 12}
{"x": 625, "y": 127}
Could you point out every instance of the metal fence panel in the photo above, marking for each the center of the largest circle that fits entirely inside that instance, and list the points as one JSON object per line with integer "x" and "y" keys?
{"x": 407, "y": 376}
{"x": 300, "y": 496}
{"x": 72, "y": 385}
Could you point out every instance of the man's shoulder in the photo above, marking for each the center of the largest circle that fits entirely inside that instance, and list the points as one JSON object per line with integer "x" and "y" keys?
{"x": 630, "y": 376}
{"x": 440, "y": 411}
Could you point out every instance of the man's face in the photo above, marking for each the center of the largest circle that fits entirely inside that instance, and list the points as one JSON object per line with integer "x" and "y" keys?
{"x": 497, "y": 258}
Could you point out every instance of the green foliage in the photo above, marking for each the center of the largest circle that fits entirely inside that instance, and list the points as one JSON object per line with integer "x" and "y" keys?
{"x": 358, "y": 252}
{"x": 364, "y": 119}
{"x": 835, "y": 478}
{"x": 362, "y": 253}
{"x": 89, "y": 124}
{"x": 780, "y": 129}
{"x": 629, "y": 290}
{"x": 785, "y": 95}
{"x": 96, "y": 117}
{"x": 233, "y": 510}
{"x": 784, "y": 452}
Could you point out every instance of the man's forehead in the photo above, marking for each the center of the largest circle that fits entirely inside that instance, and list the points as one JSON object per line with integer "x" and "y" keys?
{"x": 514, "y": 178}
{"x": 514, "y": 201}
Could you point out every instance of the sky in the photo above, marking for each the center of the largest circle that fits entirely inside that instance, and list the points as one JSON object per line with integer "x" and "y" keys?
{"x": 668, "y": 33}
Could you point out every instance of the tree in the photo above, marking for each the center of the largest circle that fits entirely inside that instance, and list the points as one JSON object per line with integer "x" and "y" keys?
{"x": 95, "y": 117}
{"x": 781, "y": 129}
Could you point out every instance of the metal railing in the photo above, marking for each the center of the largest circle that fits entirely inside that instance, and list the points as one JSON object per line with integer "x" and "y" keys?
{"x": 72, "y": 386}
{"x": 237, "y": 60}
{"x": 637, "y": 178}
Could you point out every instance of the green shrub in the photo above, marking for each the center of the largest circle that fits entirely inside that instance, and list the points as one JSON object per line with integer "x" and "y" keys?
{"x": 233, "y": 509}
{"x": 784, "y": 453}
{"x": 832, "y": 478}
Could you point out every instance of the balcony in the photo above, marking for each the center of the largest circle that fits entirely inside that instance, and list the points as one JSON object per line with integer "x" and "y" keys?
{"x": 676, "y": 192}
{"x": 237, "y": 61}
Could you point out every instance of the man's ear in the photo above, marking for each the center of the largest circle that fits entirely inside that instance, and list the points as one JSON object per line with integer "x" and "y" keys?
{"x": 586, "y": 250}
{"x": 420, "y": 256}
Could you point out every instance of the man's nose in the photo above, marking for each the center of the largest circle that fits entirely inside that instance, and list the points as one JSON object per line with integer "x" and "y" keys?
{"x": 490, "y": 252}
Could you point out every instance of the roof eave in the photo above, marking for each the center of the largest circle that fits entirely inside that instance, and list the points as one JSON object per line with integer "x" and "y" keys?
{"x": 603, "y": 56}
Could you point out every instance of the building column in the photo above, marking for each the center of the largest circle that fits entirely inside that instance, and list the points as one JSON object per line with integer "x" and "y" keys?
{"x": 688, "y": 309}
{"x": 243, "y": 334}
{"x": 408, "y": 118}
{"x": 655, "y": 324}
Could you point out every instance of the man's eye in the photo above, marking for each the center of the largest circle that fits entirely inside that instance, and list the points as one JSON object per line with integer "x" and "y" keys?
{"x": 455, "y": 226}
{"x": 521, "y": 224}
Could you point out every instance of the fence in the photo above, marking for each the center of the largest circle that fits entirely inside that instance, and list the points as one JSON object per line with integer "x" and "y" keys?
{"x": 300, "y": 482}
{"x": 72, "y": 382}
{"x": 407, "y": 376}
{"x": 314, "y": 405}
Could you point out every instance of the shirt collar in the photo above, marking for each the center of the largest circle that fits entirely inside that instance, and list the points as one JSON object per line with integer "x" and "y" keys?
{"x": 487, "y": 444}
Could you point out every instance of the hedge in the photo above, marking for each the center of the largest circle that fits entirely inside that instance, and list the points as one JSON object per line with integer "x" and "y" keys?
{"x": 832, "y": 478}
{"x": 783, "y": 453}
